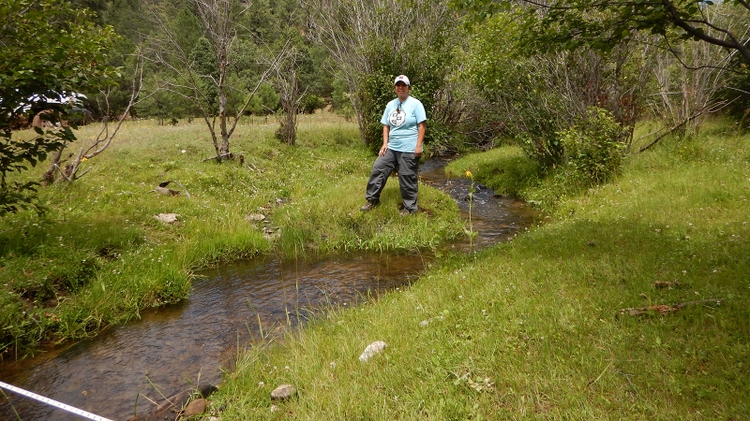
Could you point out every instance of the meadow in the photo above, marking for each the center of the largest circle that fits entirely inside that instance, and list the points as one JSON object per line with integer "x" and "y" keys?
{"x": 629, "y": 303}
{"x": 99, "y": 256}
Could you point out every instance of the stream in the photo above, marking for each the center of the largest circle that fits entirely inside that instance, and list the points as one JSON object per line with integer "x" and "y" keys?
{"x": 173, "y": 348}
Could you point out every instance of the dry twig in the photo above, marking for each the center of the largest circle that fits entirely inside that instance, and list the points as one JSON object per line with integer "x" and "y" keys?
{"x": 664, "y": 308}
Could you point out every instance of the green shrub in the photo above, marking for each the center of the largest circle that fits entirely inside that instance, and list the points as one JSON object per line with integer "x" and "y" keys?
{"x": 310, "y": 103}
{"x": 593, "y": 147}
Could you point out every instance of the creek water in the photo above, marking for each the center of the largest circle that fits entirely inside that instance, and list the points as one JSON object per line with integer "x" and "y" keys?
{"x": 172, "y": 349}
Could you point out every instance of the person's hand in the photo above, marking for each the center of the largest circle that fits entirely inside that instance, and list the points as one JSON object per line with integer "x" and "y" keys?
{"x": 418, "y": 153}
{"x": 382, "y": 150}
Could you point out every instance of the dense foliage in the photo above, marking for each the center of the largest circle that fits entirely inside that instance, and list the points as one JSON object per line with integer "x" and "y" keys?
{"x": 593, "y": 146}
{"x": 48, "y": 49}
{"x": 604, "y": 24}
{"x": 531, "y": 97}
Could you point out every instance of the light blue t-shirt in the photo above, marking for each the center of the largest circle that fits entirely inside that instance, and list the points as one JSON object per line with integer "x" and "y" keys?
{"x": 402, "y": 118}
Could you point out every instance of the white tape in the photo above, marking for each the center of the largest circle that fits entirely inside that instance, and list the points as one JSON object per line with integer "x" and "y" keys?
{"x": 53, "y": 402}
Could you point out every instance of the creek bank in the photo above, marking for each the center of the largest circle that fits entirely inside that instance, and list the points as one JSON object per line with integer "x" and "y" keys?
{"x": 170, "y": 347}
{"x": 182, "y": 405}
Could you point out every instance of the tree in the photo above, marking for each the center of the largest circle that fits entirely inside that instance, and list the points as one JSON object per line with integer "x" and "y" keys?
{"x": 47, "y": 48}
{"x": 602, "y": 24}
{"x": 286, "y": 83}
{"x": 688, "y": 49}
{"x": 531, "y": 98}
{"x": 699, "y": 41}
{"x": 371, "y": 42}
{"x": 68, "y": 168}
{"x": 206, "y": 73}
{"x": 126, "y": 17}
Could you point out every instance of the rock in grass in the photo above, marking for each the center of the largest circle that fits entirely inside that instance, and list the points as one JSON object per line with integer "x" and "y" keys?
{"x": 194, "y": 408}
{"x": 283, "y": 392}
{"x": 167, "y": 218}
{"x": 374, "y": 348}
{"x": 255, "y": 217}
{"x": 172, "y": 406}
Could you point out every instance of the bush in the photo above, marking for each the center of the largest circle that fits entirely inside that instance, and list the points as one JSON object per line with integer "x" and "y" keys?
{"x": 266, "y": 101}
{"x": 310, "y": 103}
{"x": 593, "y": 147}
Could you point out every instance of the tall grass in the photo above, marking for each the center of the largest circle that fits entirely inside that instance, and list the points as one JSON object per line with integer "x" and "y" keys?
{"x": 99, "y": 256}
{"x": 533, "y": 329}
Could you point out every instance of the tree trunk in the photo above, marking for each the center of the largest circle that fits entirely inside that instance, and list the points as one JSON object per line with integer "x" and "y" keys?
{"x": 49, "y": 175}
{"x": 223, "y": 152}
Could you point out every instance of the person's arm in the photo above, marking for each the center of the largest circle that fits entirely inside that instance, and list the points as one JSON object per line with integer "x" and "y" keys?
{"x": 421, "y": 129}
{"x": 386, "y": 131}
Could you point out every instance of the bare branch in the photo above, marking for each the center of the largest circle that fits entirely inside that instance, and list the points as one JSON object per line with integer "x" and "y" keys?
{"x": 219, "y": 19}
{"x": 695, "y": 32}
{"x": 665, "y": 309}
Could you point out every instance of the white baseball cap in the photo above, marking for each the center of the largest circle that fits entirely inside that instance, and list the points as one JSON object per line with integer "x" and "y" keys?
{"x": 402, "y": 78}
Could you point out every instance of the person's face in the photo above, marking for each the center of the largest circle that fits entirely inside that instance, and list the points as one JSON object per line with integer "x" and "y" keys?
{"x": 402, "y": 90}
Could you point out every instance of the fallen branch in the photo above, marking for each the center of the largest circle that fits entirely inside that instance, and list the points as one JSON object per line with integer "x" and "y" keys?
{"x": 670, "y": 131}
{"x": 62, "y": 173}
{"x": 708, "y": 109}
{"x": 664, "y": 308}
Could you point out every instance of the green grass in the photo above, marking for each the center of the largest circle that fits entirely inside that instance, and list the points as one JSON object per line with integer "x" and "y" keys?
{"x": 98, "y": 256}
{"x": 530, "y": 329}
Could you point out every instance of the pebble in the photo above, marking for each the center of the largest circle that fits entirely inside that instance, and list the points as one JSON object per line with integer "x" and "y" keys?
{"x": 195, "y": 407}
{"x": 283, "y": 392}
{"x": 374, "y": 348}
{"x": 167, "y": 218}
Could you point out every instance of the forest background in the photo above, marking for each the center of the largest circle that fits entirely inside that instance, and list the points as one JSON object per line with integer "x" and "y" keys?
{"x": 488, "y": 71}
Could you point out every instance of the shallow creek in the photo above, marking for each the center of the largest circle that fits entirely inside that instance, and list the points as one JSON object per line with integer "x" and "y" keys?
{"x": 171, "y": 349}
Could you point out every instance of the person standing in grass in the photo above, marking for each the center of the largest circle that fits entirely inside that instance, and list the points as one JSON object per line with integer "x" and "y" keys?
{"x": 404, "y": 126}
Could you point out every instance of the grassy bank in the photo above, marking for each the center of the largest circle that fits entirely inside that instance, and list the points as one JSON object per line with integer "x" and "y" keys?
{"x": 99, "y": 256}
{"x": 535, "y": 329}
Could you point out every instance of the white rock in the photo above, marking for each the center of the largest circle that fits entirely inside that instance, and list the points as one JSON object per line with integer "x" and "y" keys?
{"x": 284, "y": 392}
{"x": 255, "y": 217}
{"x": 167, "y": 218}
{"x": 372, "y": 349}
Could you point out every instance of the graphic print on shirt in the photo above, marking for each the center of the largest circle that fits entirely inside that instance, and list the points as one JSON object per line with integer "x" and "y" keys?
{"x": 397, "y": 117}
